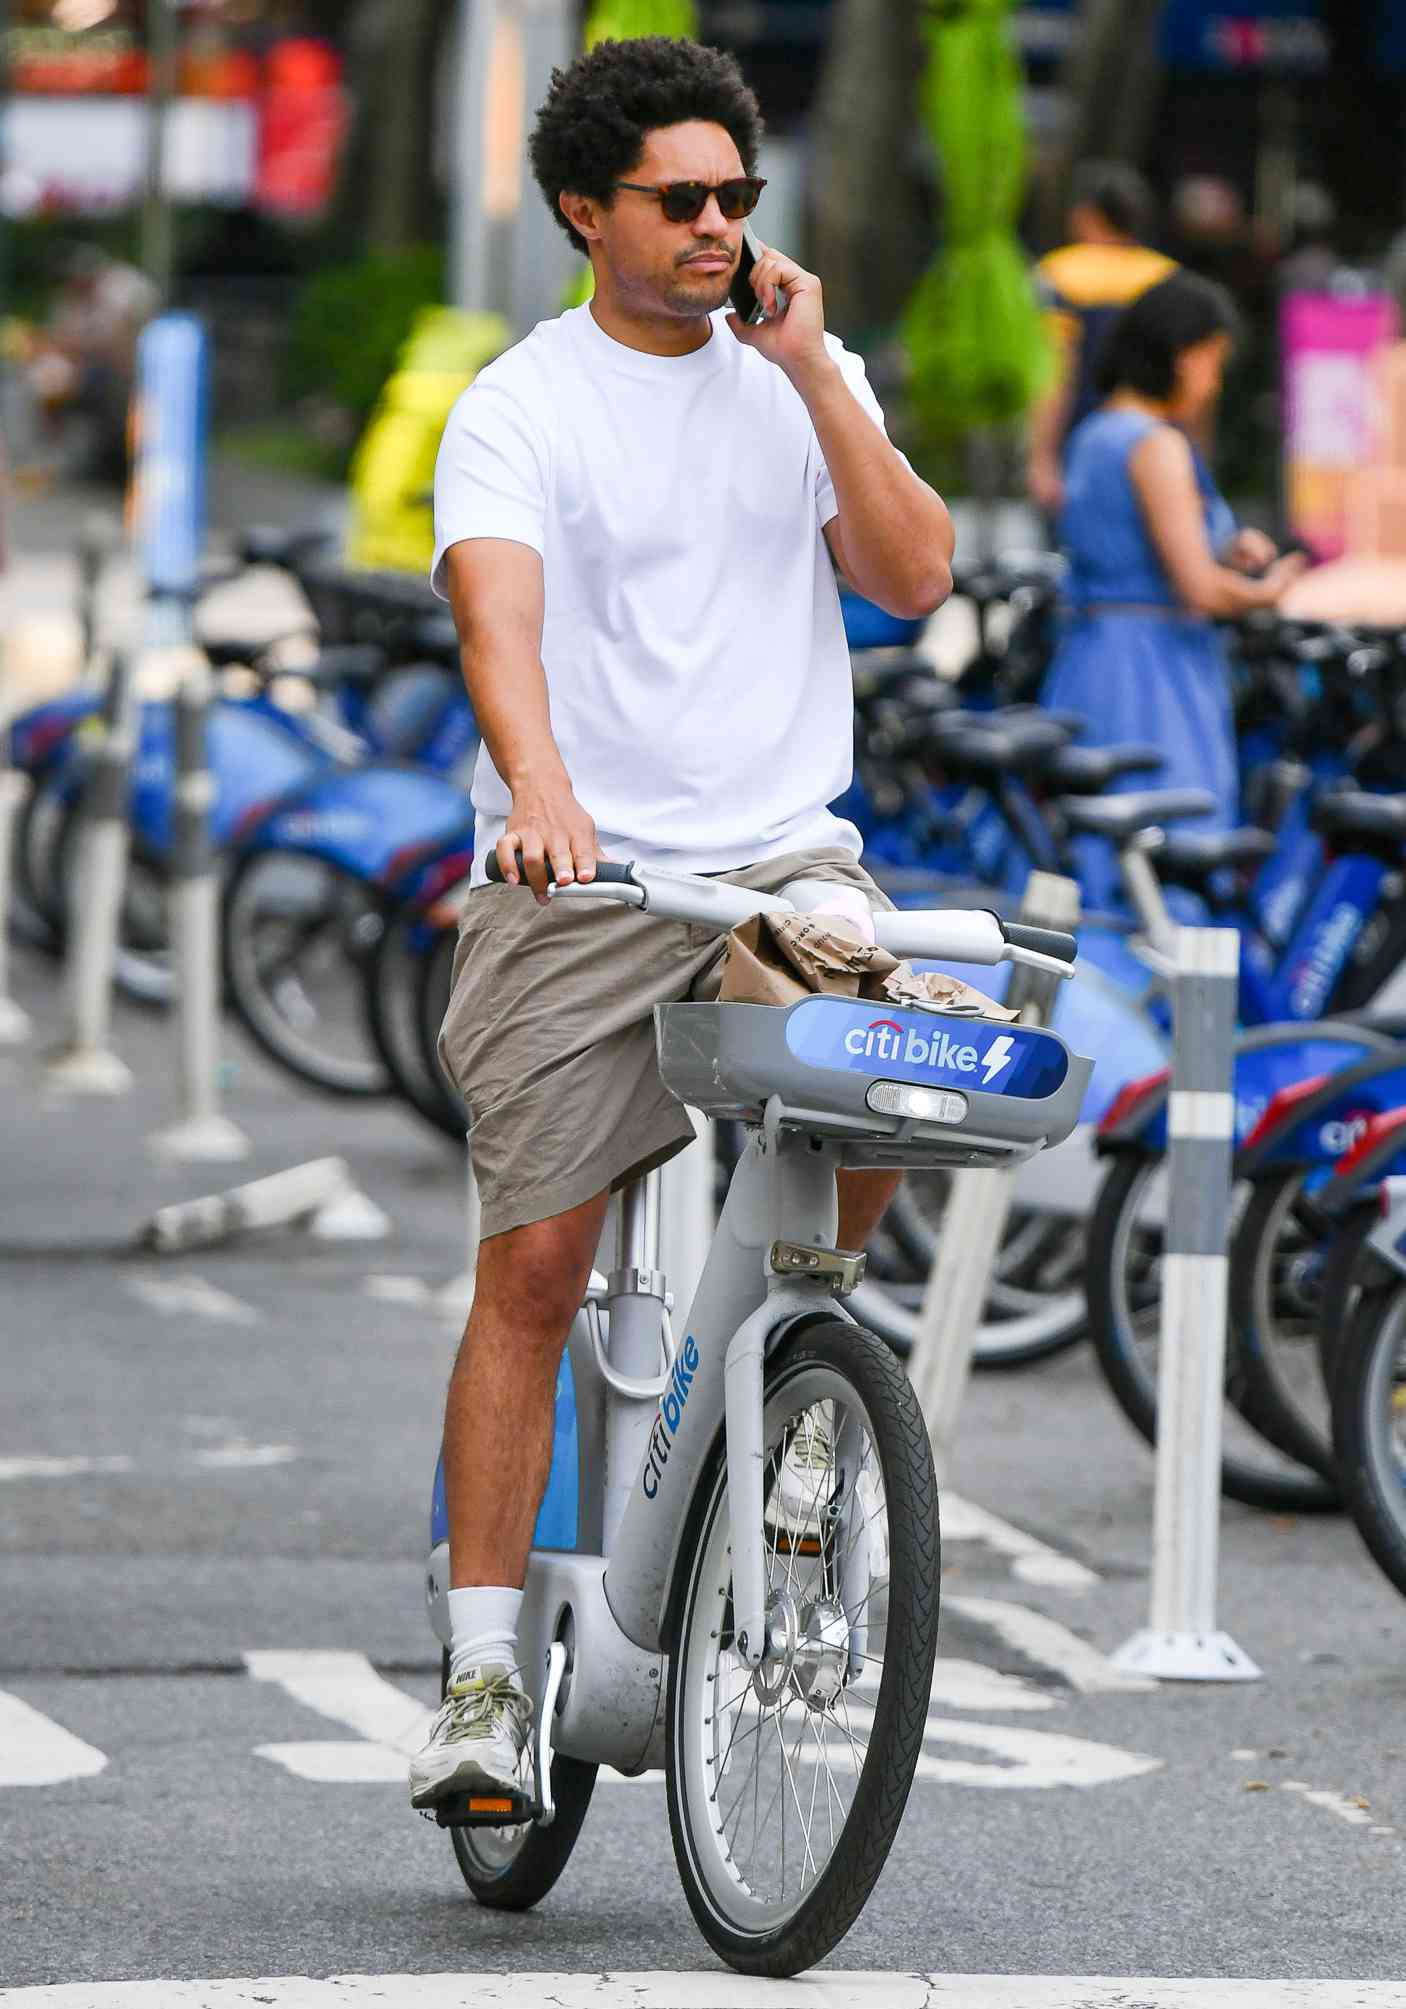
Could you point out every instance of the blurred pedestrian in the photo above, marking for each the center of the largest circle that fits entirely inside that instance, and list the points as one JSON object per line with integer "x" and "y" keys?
{"x": 81, "y": 364}
{"x": 1155, "y": 557}
{"x": 1083, "y": 287}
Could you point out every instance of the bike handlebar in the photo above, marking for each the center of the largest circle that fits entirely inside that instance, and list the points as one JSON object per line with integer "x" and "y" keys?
{"x": 951, "y": 935}
{"x": 608, "y": 872}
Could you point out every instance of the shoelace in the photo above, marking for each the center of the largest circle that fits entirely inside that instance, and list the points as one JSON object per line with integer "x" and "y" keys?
{"x": 474, "y": 1707}
{"x": 810, "y": 1446}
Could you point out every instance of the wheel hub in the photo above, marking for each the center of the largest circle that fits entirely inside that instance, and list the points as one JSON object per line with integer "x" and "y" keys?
{"x": 821, "y": 1660}
{"x": 807, "y": 1652}
{"x": 783, "y": 1633}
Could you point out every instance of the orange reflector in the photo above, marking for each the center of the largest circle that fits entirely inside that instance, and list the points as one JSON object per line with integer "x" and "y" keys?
{"x": 490, "y": 1806}
{"x": 808, "y": 1545}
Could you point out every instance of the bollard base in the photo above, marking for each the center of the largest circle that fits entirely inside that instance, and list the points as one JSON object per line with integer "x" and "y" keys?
{"x": 203, "y": 1140}
{"x": 350, "y": 1217}
{"x": 1185, "y": 1656}
{"x": 14, "y": 1024}
{"x": 91, "y": 1070}
{"x": 280, "y": 1201}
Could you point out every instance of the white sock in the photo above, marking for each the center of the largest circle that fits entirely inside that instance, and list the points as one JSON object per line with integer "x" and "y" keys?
{"x": 482, "y": 1628}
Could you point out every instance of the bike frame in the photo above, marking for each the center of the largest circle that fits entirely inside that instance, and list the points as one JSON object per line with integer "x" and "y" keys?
{"x": 649, "y": 1413}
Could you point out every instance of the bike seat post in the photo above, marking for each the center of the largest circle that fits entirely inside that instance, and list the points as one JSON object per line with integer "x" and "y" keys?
{"x": 636, "y": 1346}
{"x": 1144, "y": 890}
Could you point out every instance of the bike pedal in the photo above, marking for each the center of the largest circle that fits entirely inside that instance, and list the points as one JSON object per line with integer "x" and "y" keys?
{"x": 485, "y": 1810}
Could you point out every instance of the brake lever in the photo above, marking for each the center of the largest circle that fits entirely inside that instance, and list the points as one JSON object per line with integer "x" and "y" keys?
{"x": 1033, "y": 959}
{"x": 620, "y": 891}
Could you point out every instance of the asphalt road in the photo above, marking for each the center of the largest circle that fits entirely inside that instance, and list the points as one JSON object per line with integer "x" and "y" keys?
{"x": 229, "y": 1455}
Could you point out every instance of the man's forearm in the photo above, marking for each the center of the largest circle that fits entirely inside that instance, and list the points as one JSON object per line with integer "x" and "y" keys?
{"x": 898, "y": 536}
{"x": 508, "y": 692}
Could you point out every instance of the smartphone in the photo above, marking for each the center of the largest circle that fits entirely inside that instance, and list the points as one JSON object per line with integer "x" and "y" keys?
{"x": 745, "y": 304}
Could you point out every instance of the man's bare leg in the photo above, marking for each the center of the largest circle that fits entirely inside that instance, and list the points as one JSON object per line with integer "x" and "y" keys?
{"x": 498, "y": 1414}
{"x": 864, "y": 1199}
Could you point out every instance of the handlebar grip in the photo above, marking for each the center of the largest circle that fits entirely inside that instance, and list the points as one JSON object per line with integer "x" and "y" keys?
{"x": 1045, "y": 941}
{"x": 609, "y": 871}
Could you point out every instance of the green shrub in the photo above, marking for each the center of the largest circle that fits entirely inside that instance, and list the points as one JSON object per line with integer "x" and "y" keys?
{"x": 350, "y": 320}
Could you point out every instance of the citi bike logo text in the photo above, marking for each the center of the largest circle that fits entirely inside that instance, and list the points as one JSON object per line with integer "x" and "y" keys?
{"x": 1315, "y": 976}
{"x": 1339, "y": 1134}
{"x": 886, "y": 1039}
{"x": 672, "y": 1404}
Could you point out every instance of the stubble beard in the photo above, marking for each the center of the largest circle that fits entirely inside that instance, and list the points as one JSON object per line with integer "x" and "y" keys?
{"x": 697, "y": 295}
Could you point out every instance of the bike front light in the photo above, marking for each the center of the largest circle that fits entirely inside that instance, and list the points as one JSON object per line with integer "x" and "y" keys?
{"x": 922, "y": 1105}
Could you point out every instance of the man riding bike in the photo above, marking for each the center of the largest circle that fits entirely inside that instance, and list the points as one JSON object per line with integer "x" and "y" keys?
{"x": 636, "y": 510}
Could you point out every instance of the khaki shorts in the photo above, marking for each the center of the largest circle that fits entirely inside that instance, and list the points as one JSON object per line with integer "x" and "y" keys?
{"x": 550, "y": 1036}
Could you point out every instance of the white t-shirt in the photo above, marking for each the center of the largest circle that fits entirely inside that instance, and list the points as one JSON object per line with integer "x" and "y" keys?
{"x": 696, "y": 663}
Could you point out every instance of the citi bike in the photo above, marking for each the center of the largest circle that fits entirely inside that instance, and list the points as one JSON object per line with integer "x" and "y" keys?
{"x": 735, "y": 1573}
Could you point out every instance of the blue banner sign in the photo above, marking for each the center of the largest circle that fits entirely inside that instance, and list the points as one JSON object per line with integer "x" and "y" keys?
{"x": 1287, "y": 36}
{"x": 927, "y": 1048}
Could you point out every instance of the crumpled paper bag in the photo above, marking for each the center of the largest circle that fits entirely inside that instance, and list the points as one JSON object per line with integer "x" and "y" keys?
{"x": 777, "y": 959}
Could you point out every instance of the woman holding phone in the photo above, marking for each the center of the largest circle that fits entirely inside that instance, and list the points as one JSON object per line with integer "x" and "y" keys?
{"x": 1155, "y": 557}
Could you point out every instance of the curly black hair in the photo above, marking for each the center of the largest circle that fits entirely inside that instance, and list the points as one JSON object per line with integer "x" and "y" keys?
{"x": 591, "y": 129}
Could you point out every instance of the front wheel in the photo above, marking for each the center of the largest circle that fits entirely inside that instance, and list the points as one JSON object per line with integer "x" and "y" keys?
{"x": 1369, "y": 1424}
{"x": 511, "y": 1869}
{"x": 786, "y": 1784}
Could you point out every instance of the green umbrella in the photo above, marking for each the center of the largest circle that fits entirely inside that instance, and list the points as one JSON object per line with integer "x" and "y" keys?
{"x": 977, "y": 350}
{"x": 619, "y": 20}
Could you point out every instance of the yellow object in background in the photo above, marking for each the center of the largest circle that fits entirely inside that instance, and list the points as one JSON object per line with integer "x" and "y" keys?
{"x": 392, "y": 473}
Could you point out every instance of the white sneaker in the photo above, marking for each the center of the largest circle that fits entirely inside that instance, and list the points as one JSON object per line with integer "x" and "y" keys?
{"x": 805, "y": 1483}
{"x": 477, "y": 1742}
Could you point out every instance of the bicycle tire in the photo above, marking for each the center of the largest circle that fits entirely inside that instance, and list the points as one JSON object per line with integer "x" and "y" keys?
{"x": 29, "y": 920}
{"x": 1372, "y": 1471}
{"x": 1341, "y": 1287}
{"x": 360, "y": 1076}
{"x": 37, "y": 833}
{"x": 1266, "y": 1304}
{"x": 393, "y": 1023}
{"x": 1132, "y": 1383}
{"x": 1024, "y": 1321}
{"x": 517, "y": 1871}
{"x": 431, "y": 1003}
{"x": 829, "y": 1359}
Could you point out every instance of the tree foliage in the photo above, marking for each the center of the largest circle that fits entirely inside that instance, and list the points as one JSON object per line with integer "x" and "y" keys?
{"x": 620, "y": 20}
{"x": 976, "y": 347}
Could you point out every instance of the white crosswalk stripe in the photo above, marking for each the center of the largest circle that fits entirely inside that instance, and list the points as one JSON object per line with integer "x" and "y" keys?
{"x": 386, "y": 1725}
{"x": 37, "y": 1752}
{"x": 713, "y": 1989}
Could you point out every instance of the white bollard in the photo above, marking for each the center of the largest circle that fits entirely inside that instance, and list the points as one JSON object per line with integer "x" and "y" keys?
{"x": 687, "y": 1217}
{"x": 14, "y": 1025}
{"x": 1180, "y": 1641}
{"x": 974, "y": 1219}
{"x": 85, "y": 1064}
{"x": 202, "y": 1134}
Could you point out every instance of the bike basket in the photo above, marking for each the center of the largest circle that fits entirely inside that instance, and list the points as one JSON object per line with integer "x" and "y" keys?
{"x": 898, "y": 1086}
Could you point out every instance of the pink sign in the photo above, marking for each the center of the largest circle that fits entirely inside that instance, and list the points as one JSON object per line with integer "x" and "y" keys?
{"x": 1331, "y": 422}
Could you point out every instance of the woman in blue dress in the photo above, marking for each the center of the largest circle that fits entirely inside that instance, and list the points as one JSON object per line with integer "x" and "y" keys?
{"x": 1155, "y": 559}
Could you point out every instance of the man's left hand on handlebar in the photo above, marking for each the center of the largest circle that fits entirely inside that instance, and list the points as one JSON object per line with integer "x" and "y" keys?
{"x": 548, "y": 826}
